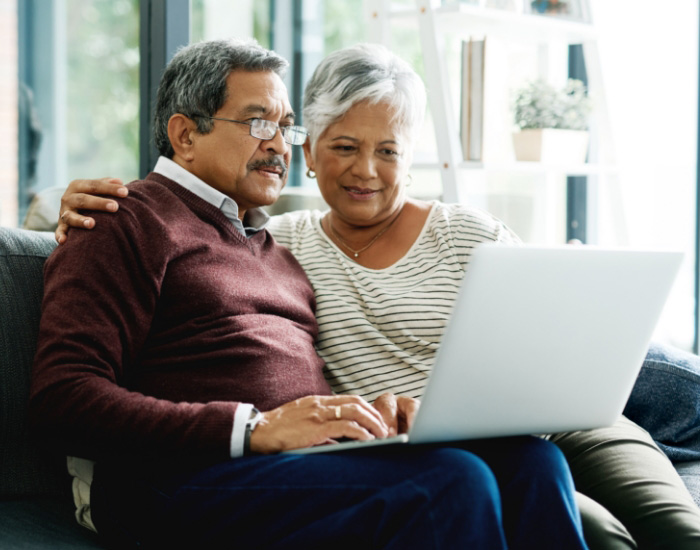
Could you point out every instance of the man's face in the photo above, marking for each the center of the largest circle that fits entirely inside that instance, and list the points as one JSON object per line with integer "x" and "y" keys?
{"x": 249, "y": 170}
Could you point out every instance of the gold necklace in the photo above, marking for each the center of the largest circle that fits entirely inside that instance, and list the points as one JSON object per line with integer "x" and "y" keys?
{"x": 356, "y": 253}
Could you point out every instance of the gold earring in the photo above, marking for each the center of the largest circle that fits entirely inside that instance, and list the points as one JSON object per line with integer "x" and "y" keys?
{"x": 310, "y": 174}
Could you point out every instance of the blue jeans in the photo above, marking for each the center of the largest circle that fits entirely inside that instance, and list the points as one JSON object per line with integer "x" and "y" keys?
{"x": 506, "y": 493}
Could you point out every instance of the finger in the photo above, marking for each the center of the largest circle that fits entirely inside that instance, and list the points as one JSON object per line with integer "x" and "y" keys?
{"x": 61, "y": 232}
{"x": 387, "y": 407}
{"x": 344, "y": 429}
{"x": 356, "y": 400}
{"x": 104, "y": 186}
{"x": 356, "y": 413}
{"x": 82, "y": 201}
{"x": 73, "y": 219}
{"x": 81, "y": 194}
{"x": 408, "y": 408}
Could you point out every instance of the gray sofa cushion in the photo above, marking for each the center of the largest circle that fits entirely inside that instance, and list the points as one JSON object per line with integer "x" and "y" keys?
{"x": 25, "y": 471}
{"x": 43, "y": 523}
{"x": 690, "y": 474}
{"x": 665, "y": 401}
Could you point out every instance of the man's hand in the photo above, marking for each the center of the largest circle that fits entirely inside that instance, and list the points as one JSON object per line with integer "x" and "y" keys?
{"x": 317, "y": 420}
{"x": 83, "y": 194}
{"x": 397, "y": 411}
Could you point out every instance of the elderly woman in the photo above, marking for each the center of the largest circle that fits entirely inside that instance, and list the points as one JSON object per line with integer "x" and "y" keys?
{"x": 386, "y": 269}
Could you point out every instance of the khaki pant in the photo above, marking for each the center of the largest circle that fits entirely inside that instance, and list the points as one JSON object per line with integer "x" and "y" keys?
{"x": 630, "y": 494}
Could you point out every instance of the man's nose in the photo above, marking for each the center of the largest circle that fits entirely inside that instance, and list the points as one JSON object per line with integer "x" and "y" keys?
{"x": 276, "y": 143}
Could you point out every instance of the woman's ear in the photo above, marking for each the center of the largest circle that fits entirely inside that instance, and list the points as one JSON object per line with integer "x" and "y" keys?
{"x": 181, "y": 132}
{"x": 306, "y": 147}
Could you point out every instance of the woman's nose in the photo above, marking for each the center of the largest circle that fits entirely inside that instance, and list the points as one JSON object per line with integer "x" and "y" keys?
{"x": 364, "y": 167}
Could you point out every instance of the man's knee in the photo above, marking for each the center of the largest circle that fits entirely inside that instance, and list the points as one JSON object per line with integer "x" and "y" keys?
{"x": 462, "y": 473}
{"x": 456, "y": 497}
{"x": 539, "y": 456}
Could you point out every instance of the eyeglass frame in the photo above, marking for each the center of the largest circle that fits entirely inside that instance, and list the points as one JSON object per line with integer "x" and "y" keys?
{"x": 262, "y": 123}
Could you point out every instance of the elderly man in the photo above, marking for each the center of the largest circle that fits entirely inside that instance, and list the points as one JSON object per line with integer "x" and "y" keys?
{"x": 198, "y": 320}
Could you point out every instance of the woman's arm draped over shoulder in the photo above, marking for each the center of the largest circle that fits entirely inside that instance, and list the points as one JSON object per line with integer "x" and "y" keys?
{"x": 87, "y": 195}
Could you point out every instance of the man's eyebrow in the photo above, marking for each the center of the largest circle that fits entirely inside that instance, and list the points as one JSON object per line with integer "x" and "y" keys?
{"x": 251, "y": 110}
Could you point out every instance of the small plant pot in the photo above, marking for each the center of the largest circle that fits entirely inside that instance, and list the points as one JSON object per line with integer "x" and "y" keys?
{"x": 551, "y": 145}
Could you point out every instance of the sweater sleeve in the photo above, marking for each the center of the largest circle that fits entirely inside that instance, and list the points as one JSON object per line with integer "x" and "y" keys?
{"x": 101, "y": 292}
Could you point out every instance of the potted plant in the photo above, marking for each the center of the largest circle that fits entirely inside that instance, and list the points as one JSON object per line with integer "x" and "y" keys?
{"x": 552, "y": 122}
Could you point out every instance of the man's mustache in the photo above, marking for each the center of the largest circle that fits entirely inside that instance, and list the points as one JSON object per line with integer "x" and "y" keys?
{"x": 276, "y": 161}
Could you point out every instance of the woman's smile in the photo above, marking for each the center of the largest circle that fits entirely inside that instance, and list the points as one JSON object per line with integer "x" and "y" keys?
{"x": 360, "y": 193}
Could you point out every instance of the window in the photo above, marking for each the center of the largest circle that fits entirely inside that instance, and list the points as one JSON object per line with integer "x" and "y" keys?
{"x": 651, "y": 84}
{"x": 72, "y": 68}
{"x": 77, "y": 93}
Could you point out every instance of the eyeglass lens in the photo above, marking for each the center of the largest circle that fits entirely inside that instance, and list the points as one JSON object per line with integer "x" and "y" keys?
{"x": 266, "y": 129}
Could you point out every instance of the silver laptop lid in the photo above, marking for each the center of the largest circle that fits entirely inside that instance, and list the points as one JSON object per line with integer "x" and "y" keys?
{"x": 544, "y": 339}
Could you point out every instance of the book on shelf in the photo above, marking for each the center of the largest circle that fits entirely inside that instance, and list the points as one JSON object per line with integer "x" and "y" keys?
{"x": 472, "y": 98}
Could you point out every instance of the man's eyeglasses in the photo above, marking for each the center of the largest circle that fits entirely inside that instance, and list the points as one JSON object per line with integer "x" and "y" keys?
{"x": 266, "y": 129}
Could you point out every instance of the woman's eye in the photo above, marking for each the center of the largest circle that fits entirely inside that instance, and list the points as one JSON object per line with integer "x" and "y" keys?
{"x": 344, "y": 148}
{"x": 389, "y": 152}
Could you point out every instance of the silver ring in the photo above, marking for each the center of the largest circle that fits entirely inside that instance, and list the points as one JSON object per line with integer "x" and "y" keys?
{"x": 338, "y": 412}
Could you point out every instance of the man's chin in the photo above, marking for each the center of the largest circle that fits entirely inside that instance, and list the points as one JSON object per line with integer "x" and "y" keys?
{"x": 272, "y": 193}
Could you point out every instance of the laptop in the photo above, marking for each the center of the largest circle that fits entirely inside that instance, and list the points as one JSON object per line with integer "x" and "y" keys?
{"x": 541, "y": 340}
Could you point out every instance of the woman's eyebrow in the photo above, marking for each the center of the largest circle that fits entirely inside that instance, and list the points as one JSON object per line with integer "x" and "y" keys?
{"x": 350, "y": 138}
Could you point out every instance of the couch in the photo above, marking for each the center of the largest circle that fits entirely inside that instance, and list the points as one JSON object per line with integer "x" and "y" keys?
{"x": 36, "y": 508}
{"x": 36, "y": 504}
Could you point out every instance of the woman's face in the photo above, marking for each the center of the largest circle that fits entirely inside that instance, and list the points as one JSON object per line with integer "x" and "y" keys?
{"x": 361, "y": 164}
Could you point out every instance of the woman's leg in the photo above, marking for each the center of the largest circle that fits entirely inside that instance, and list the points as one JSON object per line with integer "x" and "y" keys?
{"x": 602, "y": 530}
{"x": 408, "y": 498}
{"x": 621, "y": 468}
{"x": 539, "y": 508}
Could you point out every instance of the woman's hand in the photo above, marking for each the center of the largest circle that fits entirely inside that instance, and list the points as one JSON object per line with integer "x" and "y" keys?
{"x": 316, "y": 420}
{"x": 85, "y": 195}
{"x": 397, "y": 411}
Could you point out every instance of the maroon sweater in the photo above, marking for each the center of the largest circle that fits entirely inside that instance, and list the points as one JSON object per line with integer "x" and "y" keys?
{"x": 156, "y": 323}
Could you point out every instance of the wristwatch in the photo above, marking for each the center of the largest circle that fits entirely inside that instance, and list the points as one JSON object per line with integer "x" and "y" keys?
{"x": 253, "y": 419}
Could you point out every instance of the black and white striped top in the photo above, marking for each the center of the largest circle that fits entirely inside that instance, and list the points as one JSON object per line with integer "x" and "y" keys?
{"x": 380, "y": 328}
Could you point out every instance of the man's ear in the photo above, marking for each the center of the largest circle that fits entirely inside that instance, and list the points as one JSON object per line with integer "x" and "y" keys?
{"x": 181, "y": 132}
{"x": 306, "y": 147}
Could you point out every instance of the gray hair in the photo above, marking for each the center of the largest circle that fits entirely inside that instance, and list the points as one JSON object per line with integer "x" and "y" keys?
{"x": 194, "y": 82}
{"x": 365, "y": 72}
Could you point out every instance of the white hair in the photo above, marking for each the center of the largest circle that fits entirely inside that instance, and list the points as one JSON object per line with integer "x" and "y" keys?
{"x": 365, "y": 72}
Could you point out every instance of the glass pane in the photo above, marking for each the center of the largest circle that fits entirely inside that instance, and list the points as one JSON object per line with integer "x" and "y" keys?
{"x": 651, "y": 85}
{"x": 214, "y": 19}
{"x": 343, "y": 24}
{"x": 8, "y": 114}
{"x": 102, "y": 100}
{"x": 78, "y": 94}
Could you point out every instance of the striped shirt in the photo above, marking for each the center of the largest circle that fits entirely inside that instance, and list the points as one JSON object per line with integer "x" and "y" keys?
{"x": 379, "y": 329}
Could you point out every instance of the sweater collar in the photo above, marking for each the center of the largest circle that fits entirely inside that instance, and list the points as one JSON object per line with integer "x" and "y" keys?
{"x": 256, "y": 218}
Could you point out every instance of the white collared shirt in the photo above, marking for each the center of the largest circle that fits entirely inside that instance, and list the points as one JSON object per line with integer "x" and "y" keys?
{"x": 256, "y": 218}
